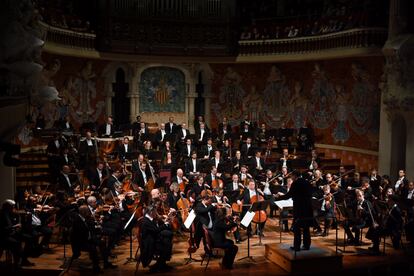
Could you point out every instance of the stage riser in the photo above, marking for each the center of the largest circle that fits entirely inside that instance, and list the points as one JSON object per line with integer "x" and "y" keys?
{"x": 312, "y": 261}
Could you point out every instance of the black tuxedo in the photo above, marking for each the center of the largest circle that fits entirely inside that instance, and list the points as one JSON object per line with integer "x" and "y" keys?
{"x": 205, "y": 137}
{"x": 189, "y": 167}
{"x": 93, "y": 177}
{"x": 253, "y": 165}
{"x": 236, "y": 164}
{"x": 203, "y": 213}
{"x": 158, "y": 137}
{"x": 87, "y": 154}
{"x": 66, "y": 186}
{"x": 181, "y": 136}
{"x": 171, "y": 130}
{"x": 246, "y": 152}
{"x": 139, "y": 178}
{"x": 301, "y": 193}
{"x": 221, "y": 134}
{"x": 112, "y": 182}
{"x": 185, "y": 152}
{"x": 102, "y": 130}
{"x": 204, "y": 151}
{"x": 221, "y": 165}
{"x": 70, "y": 160}
{"x": 125, "y": 154}
{"x": 220, "y": 229}
{"x": 64, "y": 127}
{"x": 156, "y": 240}
{"x": 231, "y": 193}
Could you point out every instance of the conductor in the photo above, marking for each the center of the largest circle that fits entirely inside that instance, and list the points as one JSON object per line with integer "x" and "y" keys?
{"x": 301, "y": 194}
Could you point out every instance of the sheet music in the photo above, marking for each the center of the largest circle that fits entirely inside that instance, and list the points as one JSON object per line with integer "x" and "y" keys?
{"x": 247, "y": 219}
{"x": 190, "y": 219}
{"x": 288, "y": 203}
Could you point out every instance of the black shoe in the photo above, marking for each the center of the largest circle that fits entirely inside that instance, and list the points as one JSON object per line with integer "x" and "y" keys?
{"x": 165, "y": 268}
{"x": 110, "y": 265}
{"x": 318, "y": 233}
{"x": 294, "y": 249}
{"x": 305, "y": 248}
{"x": 154, "y": 268}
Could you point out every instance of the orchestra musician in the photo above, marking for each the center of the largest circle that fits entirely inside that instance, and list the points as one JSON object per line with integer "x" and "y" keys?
{"x": 257, "y": 165}
{"x": 53, "y": 150}
{"x": 108, "y": 128}
{"x": 202, "y": 134}
{"x": 66, "y": 180}
{"x": 284, "y": 214}
{"x": 182, "y": 134}
{"x": 187, "y": 150}
{"x": 160, "y": 135}
{"x": 97, "y": 175}
{"x": 207, "y": 151}
{"x": 225, "y": 149}
{"x": 285, "y": 160}
{"x": 193, "y": 166}
{"x": 364, "y": 216}
{"x": 170, "y": 127}
{"x": 125, "y": 150}
{"x": 224, "y": 130}
{"x": 114, "y": 182}
{"x": 245, "y": 199}
{"x": 217, "y": 161}
{"x": 301, "y": 194}
{"x": 88, "y": 149}
{"x": 205, "y": 211}
{"x": 11, "y": 234}
{"x": 214, "y": 178}
{"x": 221, "y": 226}
{"x": 269, "y": 188}
{"x": 237, "y": 161}
{"x": 233, "y": 188}
{"x": 401, "y": 184}
{"x": 247, "y": 149}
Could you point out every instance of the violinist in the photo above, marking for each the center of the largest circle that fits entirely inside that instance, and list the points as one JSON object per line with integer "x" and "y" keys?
{"x": 198, "y": 188}
{"x": 221, "y": 226}
{"x": 157, "y": 240}
{"x": 401, "y": 184}
{"x": 366, "y": 216}
{"x": 205, "y": 211}
{"x": 115, "y": 180}
{"x": 96, "y": 175}
{"x": 285, "y": 160}
{"x": 40, "y": 215}
{"x": 327, "y": 210}
{"x": 315, "y": 161}
{"x": 375, "y": 182}
{"x": 269, "y": 188}
{"x": 301, "y": 194}
{"x": 393, "y": 221}
{"x": 223, "y": 203}
{"x": 284, "y": 215}
{"x": 11, "y": 234}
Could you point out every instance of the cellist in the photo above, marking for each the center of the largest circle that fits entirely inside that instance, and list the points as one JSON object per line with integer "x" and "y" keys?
{"x": 247, "y": 198}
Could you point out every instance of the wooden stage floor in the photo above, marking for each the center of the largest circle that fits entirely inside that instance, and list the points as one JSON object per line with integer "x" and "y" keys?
{"x": 356, "y": 260}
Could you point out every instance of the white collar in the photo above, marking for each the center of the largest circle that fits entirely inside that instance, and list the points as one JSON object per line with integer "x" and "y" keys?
{"x": 149, "y": 217}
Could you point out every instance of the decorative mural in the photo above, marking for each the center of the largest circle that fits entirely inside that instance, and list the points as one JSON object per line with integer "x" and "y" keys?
{"x": 339, "y": 99}
{"x": 162, "y": 89}
{"x": 79, "y": 94}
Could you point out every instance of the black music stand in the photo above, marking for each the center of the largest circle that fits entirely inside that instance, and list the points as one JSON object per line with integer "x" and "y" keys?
{"x": 259, "y": 206}
{"x": 129, "y": 226}
{"x": 248, "y": 244}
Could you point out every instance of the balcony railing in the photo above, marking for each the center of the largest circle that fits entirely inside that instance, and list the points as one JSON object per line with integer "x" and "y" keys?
{"x": 68, "y": 38}
{"x": 355, "y": 38}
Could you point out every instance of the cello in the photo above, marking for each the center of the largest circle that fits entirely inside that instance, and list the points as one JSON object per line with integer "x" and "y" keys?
{"x": 259, "y": 216}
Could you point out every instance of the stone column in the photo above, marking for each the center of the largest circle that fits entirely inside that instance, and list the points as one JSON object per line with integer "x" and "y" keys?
{"x": 133, "y": 99}
{"x": 191, "y": 99}
{"x": 108, "y": 99}
{"x": 207, "y": 106}
{"x": 409, "y": 148}
{"x": 384, "y": 153}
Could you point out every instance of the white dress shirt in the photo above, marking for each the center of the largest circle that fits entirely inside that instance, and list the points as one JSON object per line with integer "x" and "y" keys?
{"x": 108, "y": 129}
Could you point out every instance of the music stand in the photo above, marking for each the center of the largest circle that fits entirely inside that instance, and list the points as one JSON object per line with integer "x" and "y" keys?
{"x": 131, "y": 222}
{"x": 259, "y": 206}
{"x": 247, "y": 219}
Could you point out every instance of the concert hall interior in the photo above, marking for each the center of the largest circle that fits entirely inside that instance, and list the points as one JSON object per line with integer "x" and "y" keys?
{"x": 206, "y": 136}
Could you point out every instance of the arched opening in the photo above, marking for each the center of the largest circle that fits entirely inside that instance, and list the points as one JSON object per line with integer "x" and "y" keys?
{"x": 398, "y": 146}
{"x": 120, "y": 101}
